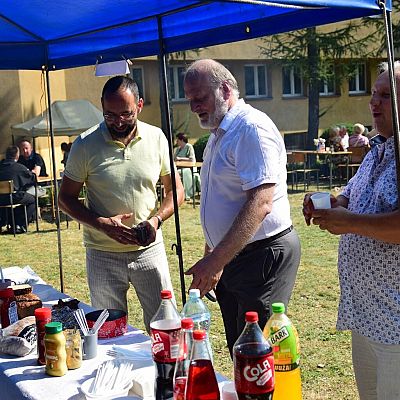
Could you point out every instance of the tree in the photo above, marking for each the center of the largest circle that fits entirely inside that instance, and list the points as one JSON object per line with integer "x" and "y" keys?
{"x": 317, "y": 53}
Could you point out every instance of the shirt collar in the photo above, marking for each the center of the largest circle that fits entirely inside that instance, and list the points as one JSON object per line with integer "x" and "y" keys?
{"x": 108, "y": 138}
{"x": 229, "y": 118}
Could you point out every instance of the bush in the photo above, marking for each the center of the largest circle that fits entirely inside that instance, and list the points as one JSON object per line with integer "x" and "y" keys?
{"x": 199, "y": 146}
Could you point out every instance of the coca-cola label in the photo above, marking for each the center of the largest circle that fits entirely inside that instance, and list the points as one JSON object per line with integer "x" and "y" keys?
{"x": 255, "y": 374}
{"x": 165, "y": 345}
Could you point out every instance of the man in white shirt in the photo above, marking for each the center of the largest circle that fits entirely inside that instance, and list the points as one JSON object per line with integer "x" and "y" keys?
{"x": 252, "y": 252}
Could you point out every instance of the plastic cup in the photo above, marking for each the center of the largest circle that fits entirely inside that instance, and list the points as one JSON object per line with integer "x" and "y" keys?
{"x": 321, "y": 200}
{"x": 89, "y": 347}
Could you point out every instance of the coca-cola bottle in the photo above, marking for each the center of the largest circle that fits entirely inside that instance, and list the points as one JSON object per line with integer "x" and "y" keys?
{"x": 202, "y": 383}
{"x": 165, "y": 329}
{"x": 253, "y": 362}
{"x": 182, "y": 363}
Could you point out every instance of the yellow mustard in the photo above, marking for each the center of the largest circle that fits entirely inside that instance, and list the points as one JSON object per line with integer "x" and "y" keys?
{"x": 55, "y": 353}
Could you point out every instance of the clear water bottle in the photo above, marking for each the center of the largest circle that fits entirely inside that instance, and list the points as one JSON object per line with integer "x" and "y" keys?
{"x": 182, "y": 363}
{"x": 202, "y": 383}
{"x": 196, "y": 309}
{"x": 165, "y": 328}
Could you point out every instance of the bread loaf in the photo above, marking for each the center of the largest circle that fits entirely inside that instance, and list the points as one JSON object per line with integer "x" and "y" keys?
{"x": 19, "y": 338}
{"x": 27, "y": 304}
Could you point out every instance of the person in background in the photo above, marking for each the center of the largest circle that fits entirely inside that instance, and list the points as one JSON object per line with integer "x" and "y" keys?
{"x": 23, "y": 179}
{"x": 32, "y": 160}
{"x": 65, "y": 148}
{"x": 344, "y": 138}
{"x": 120, "y": 162}
{"x": 334, "y": 139}
{"x": 252, "y": 252}
{"x": 185, "y": 152}
{"x": 366, "y": 215}
{"x": 357, "y": 139}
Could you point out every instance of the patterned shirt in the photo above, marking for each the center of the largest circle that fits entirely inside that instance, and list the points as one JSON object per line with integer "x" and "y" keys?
{"x": 369, "y": 268}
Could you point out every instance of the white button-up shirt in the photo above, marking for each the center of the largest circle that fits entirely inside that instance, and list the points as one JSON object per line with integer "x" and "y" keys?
{"x": 245, "y": 152}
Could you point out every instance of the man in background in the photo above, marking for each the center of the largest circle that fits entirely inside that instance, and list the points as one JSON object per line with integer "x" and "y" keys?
{"x": 120, "y": 162}
{"x": 252, "y": 252}
{"x": 32, "y": 160}
{"x": 23, "y": 179}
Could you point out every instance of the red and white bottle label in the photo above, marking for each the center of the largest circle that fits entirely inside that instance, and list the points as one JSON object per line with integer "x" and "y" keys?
{"x": 165, "y": 344}
{"x": 254, "y": 375}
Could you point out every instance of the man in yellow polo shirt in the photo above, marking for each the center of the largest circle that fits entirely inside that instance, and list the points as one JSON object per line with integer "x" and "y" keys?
{"x": 120, "y": 162}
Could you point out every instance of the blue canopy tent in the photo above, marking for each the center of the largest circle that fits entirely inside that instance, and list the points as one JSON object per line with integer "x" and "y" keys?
{"x": 43, "y": 35}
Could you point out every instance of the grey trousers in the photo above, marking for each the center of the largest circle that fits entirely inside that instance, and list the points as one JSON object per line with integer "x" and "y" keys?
{"x": 377, "y": 368}
{"x": 109, "y": 275}
{"x": 256, "y": 279}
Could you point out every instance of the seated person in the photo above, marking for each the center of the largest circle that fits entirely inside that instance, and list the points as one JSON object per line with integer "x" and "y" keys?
{"x": 334, "y": 139}
{"x": 344, "y": 138}
{"x": 33, "y": 161}
{"x": 23, "y": 179}
{"x": 185, "y": 152}
{"x": 357, "y": 139}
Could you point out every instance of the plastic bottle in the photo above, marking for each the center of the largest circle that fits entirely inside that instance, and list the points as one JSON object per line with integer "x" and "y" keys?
{"x": 253, "y": 362}
{"x": 182, "y": 363}
{"x": 8, "y": 307}
{"x": 196, "y": 309}
{"x": 285, "y": 341}
{"x": 165, "y": 328}
{"x": 202, "y": 383}
{"x": 42, "y": 317}
{"x": 55, "y": 353}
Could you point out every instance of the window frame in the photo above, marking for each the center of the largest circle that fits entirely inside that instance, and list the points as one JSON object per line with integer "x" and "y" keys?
{"x": 292, "y": 82}
{"x": 257, "y": 94}
{"x": 357, "y": 80}
{"x": 174, "y": 94}
{"x": 142, "y": 90}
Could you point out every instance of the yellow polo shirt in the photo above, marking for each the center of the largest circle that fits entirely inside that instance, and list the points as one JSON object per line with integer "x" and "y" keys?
{"x": 119, "y": 179}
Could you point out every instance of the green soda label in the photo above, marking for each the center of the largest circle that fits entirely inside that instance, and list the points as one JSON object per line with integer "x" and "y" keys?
{"x": 285, "y": 342}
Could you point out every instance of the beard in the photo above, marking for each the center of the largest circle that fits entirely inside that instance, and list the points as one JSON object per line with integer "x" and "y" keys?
{"x": 120, "y": 134}
{"x": 221, "y": 108}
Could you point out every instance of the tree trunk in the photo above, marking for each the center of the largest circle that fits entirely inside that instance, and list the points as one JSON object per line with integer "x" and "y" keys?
{"x": 313, "y": 88}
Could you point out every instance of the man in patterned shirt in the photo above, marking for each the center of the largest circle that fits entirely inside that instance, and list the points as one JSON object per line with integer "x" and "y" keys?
{"x": 367, "y": 217}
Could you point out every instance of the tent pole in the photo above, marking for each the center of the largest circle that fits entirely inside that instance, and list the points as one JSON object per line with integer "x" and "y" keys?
{"x": 53, "y": 159}
{"x": 393, "y": 87}
{"x": 165, "y": 106}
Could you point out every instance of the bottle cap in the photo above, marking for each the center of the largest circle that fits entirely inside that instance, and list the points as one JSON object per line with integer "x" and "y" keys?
{"x": 43, "y": 313}
{"x": 187, "y": 323}
{"x": 251, "y": 316}
{"x": 194, "y": 293}
{"x": 199, "y": 334}
{"x": 53, "y": 327}
{"x": 278, "y": 307}
{"x": 8, "y": 292}
{"x": 166, "y": 294}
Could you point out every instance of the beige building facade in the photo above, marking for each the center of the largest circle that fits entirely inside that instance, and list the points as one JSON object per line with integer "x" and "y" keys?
{"x": 265, "y": 84}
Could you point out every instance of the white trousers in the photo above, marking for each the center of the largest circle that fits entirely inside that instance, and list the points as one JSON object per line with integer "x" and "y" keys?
{"x": 376, "y": 368}
{"x": 109, "y": 275}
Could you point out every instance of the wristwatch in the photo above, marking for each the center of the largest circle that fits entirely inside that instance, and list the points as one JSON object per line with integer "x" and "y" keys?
{"x": 160, "y": 221}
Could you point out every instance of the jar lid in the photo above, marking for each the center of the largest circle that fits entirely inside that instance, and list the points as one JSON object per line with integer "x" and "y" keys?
{"x": 53, "y": 327}
{"x": 8, "y": 292}
{"x": 43, "y": 312}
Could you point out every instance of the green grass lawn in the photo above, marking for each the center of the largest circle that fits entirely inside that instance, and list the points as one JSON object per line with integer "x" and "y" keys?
{"x": 326, "y": 354}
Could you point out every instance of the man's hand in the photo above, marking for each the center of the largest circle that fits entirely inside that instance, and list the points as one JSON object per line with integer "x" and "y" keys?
{"x": 115, "y": 229}
{"x": 206, "y": 274}
{"x": 308, "y": 208}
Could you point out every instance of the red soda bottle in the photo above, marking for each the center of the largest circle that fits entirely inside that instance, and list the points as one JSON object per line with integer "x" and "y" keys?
{"x": 253, "y": 362}
{"x": 165, "y": 328}
{"x": 202, "y": 383}
{"x": 182, "y": 363}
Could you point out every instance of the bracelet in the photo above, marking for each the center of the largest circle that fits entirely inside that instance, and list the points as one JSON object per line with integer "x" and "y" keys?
{"x": 160, "y": 221}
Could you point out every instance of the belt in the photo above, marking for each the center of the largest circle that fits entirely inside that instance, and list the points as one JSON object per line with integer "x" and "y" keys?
{"x": 264, "y": 242}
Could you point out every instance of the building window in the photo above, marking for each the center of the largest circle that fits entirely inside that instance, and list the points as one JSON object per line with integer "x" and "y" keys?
{"x": 175, "y": 77}
{"x": 255, "y": 80}
{"x": 137, "y": 76}
{"x": 358, "y": 82}
{"x": 292, "y": 81}
{"x": 327, "y": 87}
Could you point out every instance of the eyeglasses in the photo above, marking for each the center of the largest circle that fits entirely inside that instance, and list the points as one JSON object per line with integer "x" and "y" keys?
{"x": 127, "y": 116}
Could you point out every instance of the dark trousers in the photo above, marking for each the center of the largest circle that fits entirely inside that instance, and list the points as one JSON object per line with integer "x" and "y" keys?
{"x": 28, "y": 200}
{"x": 256, "y": 279}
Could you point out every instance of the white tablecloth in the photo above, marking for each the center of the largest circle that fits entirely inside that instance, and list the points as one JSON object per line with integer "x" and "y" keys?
{"x": 23, "y": 378}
